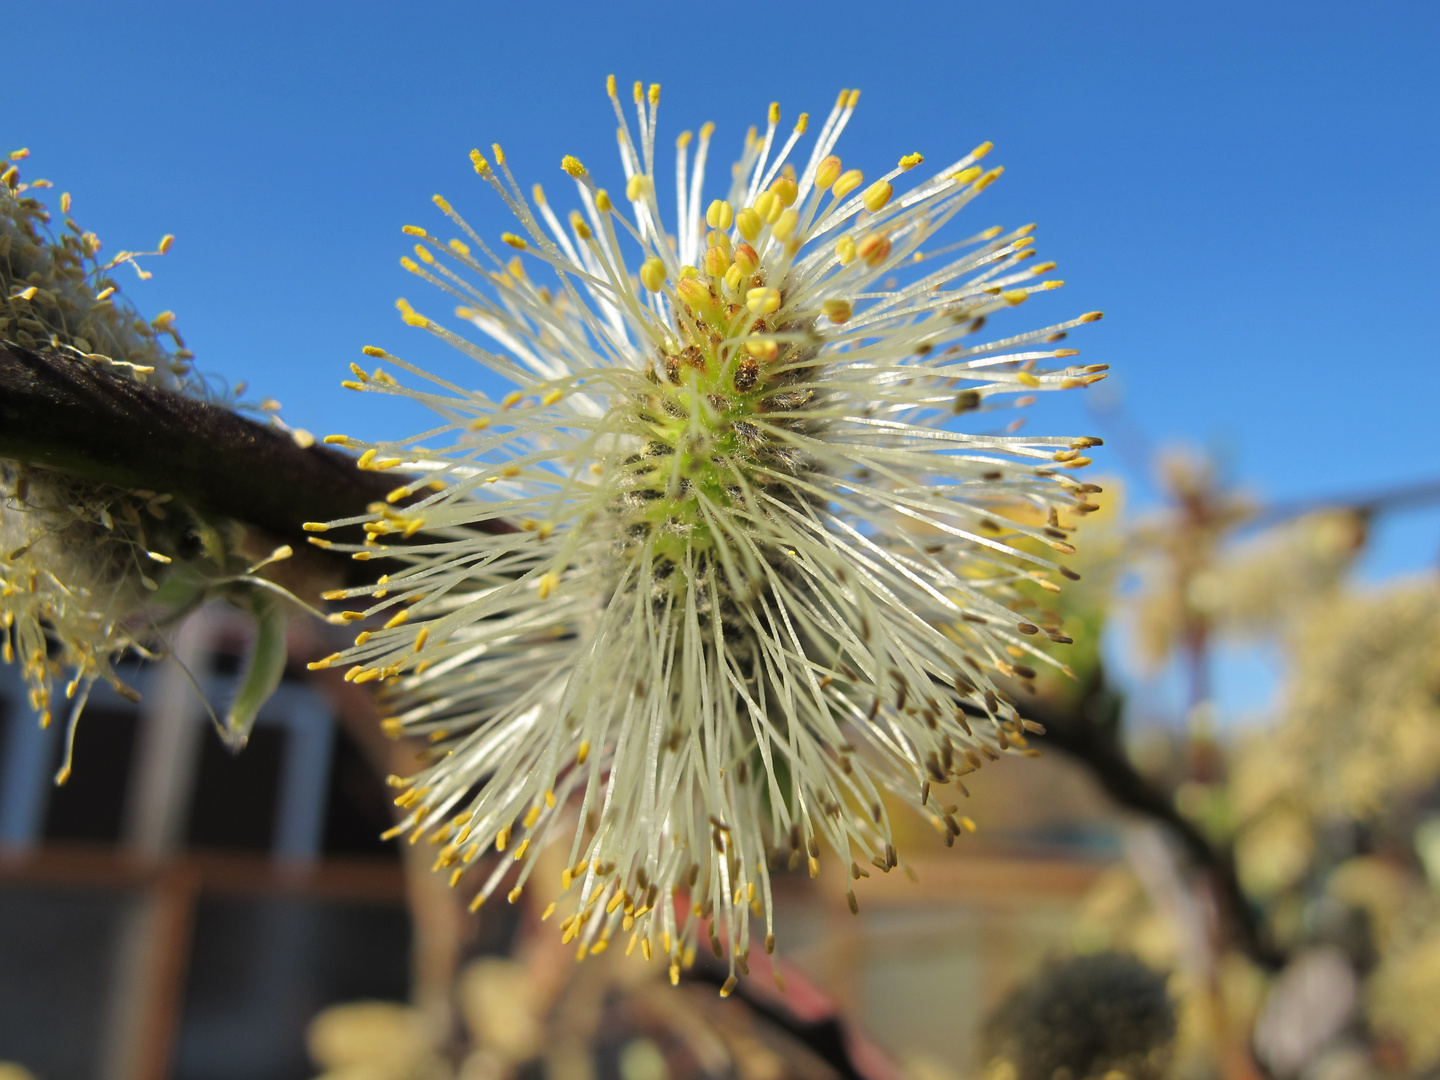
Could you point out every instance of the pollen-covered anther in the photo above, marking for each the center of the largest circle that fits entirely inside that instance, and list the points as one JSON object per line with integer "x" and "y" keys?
{"x": 877, "y": 196}
{"x": 716, "y": 262}
{"x": 845, "y": 250}
{"x": 874, "y": 249}
{"x": 989, "y": 178}
{"x": 769, "y": 207}
{"x": 827, "y": 173}
{"x": 786, "y": 224}
{"x": 750, "y": 223}
{"x": 763, "y": 301}
{"x": 847, "y": 182}
{"x": 719, "y": 214}
{"x": 516, "y": 242}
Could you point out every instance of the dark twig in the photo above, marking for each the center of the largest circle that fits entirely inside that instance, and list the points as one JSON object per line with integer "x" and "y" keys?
{"x": 1089, "y": 731}
{"x": 62, "y": 413}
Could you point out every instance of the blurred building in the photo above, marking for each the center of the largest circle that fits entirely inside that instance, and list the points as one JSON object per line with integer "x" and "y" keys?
{"x": 178, "y": 911}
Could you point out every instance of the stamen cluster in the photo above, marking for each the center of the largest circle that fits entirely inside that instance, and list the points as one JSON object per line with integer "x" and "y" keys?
{"x": 734, "y": 569}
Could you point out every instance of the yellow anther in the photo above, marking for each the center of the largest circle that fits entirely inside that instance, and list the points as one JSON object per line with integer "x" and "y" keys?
{"x": 106, "y": 293}
{"x": 409, "y": 264}
{"x": 531, "y": 816}
{"x": 499, "y": 154}
{"x": 813, "y": 865}
{"x": 763, "y": 300}
{"x": 716, "y": 261}
{"x": 1015, "y": 296}
{"x": 550, "y": 799}
{"x": 732, "y": 278}
{"x": 315, "y": 526}
{"x": 837, "y": 311}
{"x": 786, "y": 224}
{"x": 578, "y": 223}
{"x": 749, "y": 223}
{"x": 854, "y": 99}
{"x": 516, "y": 242}
{"x": 877, "y": 195}
{"x": 552, "y": 397}
{"x": 1092, "y": 316}
{"x": 442, "y": 203}
{"x": 827, "y": 173}
{"x": 848, "y": 182}
{"x": 412, "y": 230}
{"x": 582, "y": 753}
{"x": 909, "y": 161}
{"x": 774, "y": 114}
{"x": 981, "y": 150}
{"x": 747, "y": 261}
{"x": 786, "y": 190}
{"x": 719, "y": 214}
{"x": 362, "y": 637}
{"x": 572, "y": 166}
{"x": 481, "y": 165}
{"x": 769, "y": 206}
{"x": 1026, "y": 379}
{"x": 1042, "y": 268}
{"x": 423, "y": 253}
{"x": 549, "y": 582}
{"x": 329, "y": 661}
{"x": 874, "y": 249}
{"x": 845, "y": 250}
{"x": 707, "y": 129}
{"x": 365, "y": 459}
{"x": 459, "y": 247}
{"x": 655, "y": 93}
{"x": 514, "y": 893}
{"x": 636, "y": 187}
{"x": 398, "y": 619}
{"x": 1047, "y": 285}
{"x": 684, "y": 139}
{"x": 639, "y": 91}
{"x": 762, "y": 349}
{"x": 165, "y": 241}
{"x": 989, "y": 178}
{"x": 802, "y": 123}
{"x": 610, "y": 85}
{"x": 369, "y": 675}
{"x": 652, "y": 274}
{"x": 602, "y": 201}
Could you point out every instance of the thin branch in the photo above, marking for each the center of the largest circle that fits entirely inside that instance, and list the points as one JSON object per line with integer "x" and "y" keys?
{"x": 63, "y": 413}
{"x": 1089, "y": 731}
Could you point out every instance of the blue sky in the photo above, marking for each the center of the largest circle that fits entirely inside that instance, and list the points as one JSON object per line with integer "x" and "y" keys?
{"x": 1247, "y": 190}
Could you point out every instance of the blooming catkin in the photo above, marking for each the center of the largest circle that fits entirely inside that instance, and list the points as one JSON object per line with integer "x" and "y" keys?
{"x": 732, "y": 570}
{"x": 79, "y": 560}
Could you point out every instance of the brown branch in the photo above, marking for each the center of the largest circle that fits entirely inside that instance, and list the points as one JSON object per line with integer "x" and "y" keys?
{"x": 1089, "y": 731}
{"x": 62, "y": 413}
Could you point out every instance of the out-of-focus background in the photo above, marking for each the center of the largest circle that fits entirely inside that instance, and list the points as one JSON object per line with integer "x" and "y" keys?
{"x": 1227, "y": 860}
